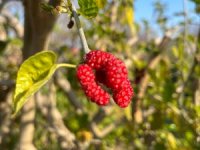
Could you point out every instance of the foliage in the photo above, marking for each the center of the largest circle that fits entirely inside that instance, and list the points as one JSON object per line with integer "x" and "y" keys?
{"x": 32, "y": 75}
{"x": 166, "y": 115}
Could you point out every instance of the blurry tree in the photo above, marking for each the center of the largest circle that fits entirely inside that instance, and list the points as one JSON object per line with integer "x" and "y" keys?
{"x": 164, "y": 70}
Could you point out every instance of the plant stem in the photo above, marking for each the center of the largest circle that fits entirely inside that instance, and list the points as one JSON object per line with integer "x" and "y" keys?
{"x": 80, "y": 30}
{"x": 66, "y": 65}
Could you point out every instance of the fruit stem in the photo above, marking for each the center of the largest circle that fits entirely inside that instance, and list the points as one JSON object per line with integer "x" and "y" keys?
{"x": 80, "y": 29}
{"x": 66, "y": 65}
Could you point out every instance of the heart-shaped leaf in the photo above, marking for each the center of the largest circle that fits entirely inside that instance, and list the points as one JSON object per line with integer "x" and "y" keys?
{"x": 32, "y": 75}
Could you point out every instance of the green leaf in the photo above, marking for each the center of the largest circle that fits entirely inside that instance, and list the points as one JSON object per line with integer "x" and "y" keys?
{"x": 196, "y": 1}
{"x": 88, "y": 8}
{"x": 46, "y": 7}
{"x": 101, "y": 3}
{"x": 168, "y": 90}
{"x": 32, "y": 75}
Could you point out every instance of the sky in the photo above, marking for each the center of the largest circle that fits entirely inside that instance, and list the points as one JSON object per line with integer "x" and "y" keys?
{"x": 144, "y": 10}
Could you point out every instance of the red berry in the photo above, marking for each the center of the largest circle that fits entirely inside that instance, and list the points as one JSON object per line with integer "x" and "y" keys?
{"x": 124, "y": 95}
{"x": 109, "y": 71}
{"x": 94, "y": 92}
{"x": 85, "y": 74}
{"x": 97, "y": 59}
{"x": 116, "y": 73}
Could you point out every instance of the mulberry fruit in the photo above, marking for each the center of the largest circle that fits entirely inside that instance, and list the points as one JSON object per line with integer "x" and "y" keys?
{"x": 105, "y": 68}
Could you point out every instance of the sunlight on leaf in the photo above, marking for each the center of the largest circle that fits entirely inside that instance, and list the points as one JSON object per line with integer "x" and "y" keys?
{"x": 33, "y": 74}
{"x": 171, "y": 141}
{"x": 127, "y": 112}
{"x": 129, "y": 14}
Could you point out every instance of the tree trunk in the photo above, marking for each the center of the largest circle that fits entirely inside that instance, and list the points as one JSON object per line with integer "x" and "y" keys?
{"x": 37, "y": 27}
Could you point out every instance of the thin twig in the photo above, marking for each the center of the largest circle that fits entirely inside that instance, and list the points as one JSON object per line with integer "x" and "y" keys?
{"x": 105, "y": 131}
{"x": 185, "y": 23}
{"x": 13, "y": 22}
{"x": 80, "y": 29}
{"x": 180, "y": 99}
{"x": 189, "y": 75}
{"x": 98, "y": 117}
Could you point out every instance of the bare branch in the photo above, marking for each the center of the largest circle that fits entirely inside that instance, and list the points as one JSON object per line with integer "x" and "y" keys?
{"x": 4, "y": 2}
{"x": 14, "y": 23}
{"x": 197, "y": 94}
{"x": 27, "y": 126}
{"x": 154, "y": 60}
{"x": 98, "y": 117}
{"x": 64, "y": 84}
{"x": 185, "y": 24}
{"x": 195, "y": 62}
{"x": 102, "y": 133}
{"x": 47, "y": 105}
{"x": 5, "y": 120}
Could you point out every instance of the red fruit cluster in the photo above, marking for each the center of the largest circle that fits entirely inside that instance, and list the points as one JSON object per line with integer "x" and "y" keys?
{"x": 105, "y": 68}
{"x": 91, "y": 88}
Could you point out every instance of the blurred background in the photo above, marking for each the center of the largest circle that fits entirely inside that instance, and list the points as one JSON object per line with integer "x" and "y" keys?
{"x": 159, "y": 41}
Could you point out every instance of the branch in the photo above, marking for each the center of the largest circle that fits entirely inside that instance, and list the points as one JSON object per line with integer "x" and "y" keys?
{"x": 98, "y": 117}
{"x": 185, "y": 23}
{"x": 47, "y": 106}
{"x": 80, "y": 29}
{"x": 64, "y": 84}
{"x": 195, "y": 62}
{"x": 191, "y": 71}
{"x": 143, "y": 84}
{"x": 4, "y": 2}
{"x": 5, "y": 121}
{"x": 37, "y": 25}
{"x": 103, "y": 132}
{"x": 14, "y": 23}
{"x": 197, "y": 94}
{"x": 27, "y": 128}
